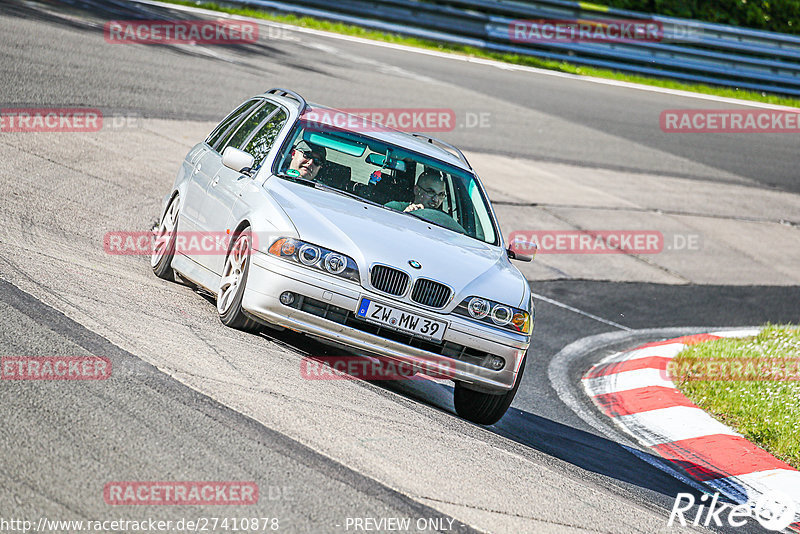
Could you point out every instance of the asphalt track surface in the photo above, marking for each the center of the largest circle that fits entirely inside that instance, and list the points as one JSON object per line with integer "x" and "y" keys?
{"x": 61, "y": 445}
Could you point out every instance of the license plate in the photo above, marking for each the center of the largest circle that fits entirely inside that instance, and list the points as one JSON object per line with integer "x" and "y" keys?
{"x": 411, "y": 323}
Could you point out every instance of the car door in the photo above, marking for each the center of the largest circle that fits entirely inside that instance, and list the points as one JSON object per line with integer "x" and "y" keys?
{"x": 203, "y": 164}
{"x": 255, "y": 136}
{"x": 192, "y": 164}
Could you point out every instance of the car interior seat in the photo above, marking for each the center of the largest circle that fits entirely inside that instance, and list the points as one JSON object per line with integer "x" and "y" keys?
{"x": 393, "y": 185}
{"x": 334, "y": 175}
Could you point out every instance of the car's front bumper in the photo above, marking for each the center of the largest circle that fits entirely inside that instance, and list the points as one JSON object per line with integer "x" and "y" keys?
{"x": 269, "y": 277}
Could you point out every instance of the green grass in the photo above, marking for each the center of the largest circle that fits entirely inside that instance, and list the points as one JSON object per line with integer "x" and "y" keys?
{"x": 517, "y": 59}
{"x": 767, "y": 412}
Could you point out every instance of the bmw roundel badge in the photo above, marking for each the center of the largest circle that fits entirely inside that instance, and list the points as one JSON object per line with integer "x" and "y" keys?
{"x": 415, "y": 264}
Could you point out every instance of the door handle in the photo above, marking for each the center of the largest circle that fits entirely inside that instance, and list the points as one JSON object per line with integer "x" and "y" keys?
{"x": 215, "y": 182}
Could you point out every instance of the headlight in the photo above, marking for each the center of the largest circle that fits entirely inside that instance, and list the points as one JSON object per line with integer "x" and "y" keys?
{"x": 495, "y": 314}
{"x": 478, "y": 308}
{"x": 335, "y": 263}
{"x": 309, "y": 255}
{"x": 315, "y": 257}
{"x": 501, "y": 315}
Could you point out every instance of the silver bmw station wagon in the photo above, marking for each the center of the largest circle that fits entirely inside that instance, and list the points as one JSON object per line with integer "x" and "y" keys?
{"x": 370, "y": 239}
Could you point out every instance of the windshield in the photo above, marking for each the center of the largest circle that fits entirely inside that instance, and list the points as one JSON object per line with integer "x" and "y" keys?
{"x": 389, "y": 175}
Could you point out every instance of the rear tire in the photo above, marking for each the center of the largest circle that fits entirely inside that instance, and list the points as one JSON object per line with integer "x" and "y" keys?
{"x": 231, "y": 287}
{"x": 164, "y": 243}
{"x": 485, "y": 408}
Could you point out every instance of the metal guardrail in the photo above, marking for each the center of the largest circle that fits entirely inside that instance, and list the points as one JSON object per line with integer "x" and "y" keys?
{"x": 689, "y": 50}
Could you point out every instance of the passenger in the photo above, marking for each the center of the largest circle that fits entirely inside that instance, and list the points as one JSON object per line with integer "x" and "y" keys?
{"x": 307, "y": 159}
{"x": 428, "y": 193}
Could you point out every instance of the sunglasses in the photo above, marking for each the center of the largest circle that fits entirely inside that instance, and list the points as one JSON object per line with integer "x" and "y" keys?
{"x": 318, "y": 161}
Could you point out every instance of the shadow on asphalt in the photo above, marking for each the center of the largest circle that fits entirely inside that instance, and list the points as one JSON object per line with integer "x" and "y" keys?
{"x": 589, "y": 451}
{"x": 645, "y": 305}
{"x": 83, "y": 17}
{"x": 582, "y": 449}
{"x": 679, "y": 305}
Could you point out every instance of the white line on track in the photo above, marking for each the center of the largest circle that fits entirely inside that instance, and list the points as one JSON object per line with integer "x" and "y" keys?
{"x": 580, "y": 312}
{"x": 477, "y": 61}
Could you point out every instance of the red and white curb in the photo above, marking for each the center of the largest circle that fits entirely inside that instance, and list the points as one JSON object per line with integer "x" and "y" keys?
{"x": 634, "y": 390}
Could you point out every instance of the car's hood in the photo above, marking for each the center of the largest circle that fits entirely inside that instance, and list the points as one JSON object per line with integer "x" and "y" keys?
{"x": 371, "y": 234}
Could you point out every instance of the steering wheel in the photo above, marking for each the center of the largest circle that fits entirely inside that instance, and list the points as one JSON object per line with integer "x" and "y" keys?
{"x": 440, "y": 218}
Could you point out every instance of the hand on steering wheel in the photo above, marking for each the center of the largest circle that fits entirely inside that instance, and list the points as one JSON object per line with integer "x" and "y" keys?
{"x": 413, "y": 207}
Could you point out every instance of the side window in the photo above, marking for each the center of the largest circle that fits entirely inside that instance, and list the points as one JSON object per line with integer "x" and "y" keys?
{"x": 482, "y": 221}
{"x": 227, "y": 124}
{"x": 249, "y": 125}
{"x": 262, "y": 141}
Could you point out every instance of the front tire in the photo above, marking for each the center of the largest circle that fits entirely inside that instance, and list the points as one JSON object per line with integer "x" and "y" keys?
{"x": 485, "y": 408}
{"x": 232, "y": 284}
{"x": 164, "y": 243}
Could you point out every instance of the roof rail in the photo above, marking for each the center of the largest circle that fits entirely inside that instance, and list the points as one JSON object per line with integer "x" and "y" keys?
{"x": 442, "y": 144}
{"x": 286, "y": 92}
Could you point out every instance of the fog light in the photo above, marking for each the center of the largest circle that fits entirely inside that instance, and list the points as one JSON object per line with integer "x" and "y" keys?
{"x": 287, "y": 298}
{"x": 496, "y": 363}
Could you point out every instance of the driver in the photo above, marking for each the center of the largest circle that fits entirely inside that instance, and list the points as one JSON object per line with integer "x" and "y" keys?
{"x": 428, "y": 193}
{"x": 307, "y": 159}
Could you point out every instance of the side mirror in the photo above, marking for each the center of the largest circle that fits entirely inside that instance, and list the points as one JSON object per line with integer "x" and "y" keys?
{"x": 238, "y": 160}
{"x": 515, "y": 255}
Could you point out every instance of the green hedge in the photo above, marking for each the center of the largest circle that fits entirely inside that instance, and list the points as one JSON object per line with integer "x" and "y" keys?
{"x": 778, "y": 16}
